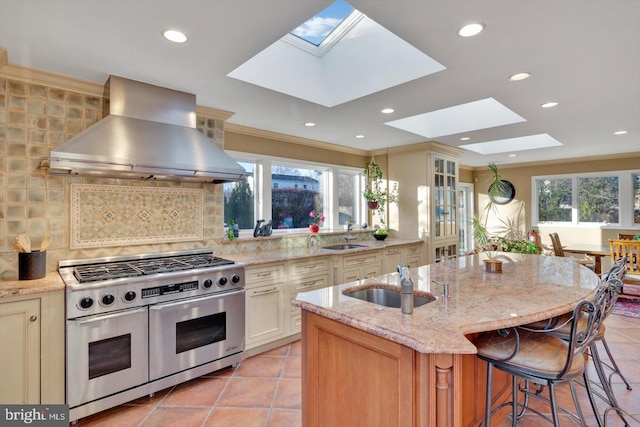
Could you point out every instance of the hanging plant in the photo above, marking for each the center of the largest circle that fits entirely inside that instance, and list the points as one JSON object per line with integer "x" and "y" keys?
{"x": 376, "y": 193}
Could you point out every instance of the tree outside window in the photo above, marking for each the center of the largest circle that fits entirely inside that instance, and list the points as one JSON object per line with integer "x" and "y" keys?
{"x": 296, "y": 192}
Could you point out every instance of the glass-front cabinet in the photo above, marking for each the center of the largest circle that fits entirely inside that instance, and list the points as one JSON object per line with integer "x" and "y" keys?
{"x": 445, "y": 215}
{"x": 428, "y": 174}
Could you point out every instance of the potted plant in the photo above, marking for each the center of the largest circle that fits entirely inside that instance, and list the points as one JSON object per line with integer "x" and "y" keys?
{"x": 374, "y": 191}
{"x": 316, "y": 219}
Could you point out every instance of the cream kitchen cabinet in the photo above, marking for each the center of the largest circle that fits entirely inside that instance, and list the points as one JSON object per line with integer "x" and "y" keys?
{"x": 359, "y": 266}
{"x": 412, "y": 256}
{"x": 428, "y": 205}
{"x": 305, "y": 275}
{"x": 264, "y": 304}
{"x": 409, "y": 255}
{"x": 32, "y": 349}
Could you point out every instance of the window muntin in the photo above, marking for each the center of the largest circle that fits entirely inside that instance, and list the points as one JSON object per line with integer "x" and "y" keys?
{"x": 598, "y": 199}
{"x": 239, "y": 199}
{"x": 297, "y": 190}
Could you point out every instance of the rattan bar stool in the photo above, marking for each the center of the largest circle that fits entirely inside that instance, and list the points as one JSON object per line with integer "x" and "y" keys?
{"x": 539, "y": 357}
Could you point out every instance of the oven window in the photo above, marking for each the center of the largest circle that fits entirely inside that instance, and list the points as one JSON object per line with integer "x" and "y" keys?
{"x": 109, "y": 355}
{"x": 199, "y": 332}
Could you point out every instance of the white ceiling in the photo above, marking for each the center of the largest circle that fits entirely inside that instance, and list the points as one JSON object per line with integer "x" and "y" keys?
{"x": 583, "y": 54}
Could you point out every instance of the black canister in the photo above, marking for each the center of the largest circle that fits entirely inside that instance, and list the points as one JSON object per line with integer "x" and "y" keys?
{"x": 32, "y": 265}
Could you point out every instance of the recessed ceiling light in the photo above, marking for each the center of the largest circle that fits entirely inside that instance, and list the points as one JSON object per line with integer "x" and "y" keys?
{"x": 620, "y": 132}
{"x": 387, "y": 111}
{"x": 470, "y": 30}
{"x": 174, "y": 36}
{"x": 309, "y": 124}
{"x": 512, "y": 155}
{"x": 549, "y": 104}
{"x": 519, "y": 76}
{"x": 465, "y": 138}
{"x": 359, "y": 136}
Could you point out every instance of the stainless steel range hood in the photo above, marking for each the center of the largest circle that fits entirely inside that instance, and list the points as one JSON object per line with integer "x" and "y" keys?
{"x": 150, "y": 133}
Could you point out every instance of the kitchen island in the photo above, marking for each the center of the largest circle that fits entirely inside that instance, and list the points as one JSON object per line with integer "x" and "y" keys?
{"x": 366, "y": 364}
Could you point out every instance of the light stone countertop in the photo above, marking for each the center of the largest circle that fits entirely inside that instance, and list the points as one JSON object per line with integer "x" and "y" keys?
{"x": 14, "y": 287}
{"x": 529, "y": 289}
{"x": 278, "y": 255}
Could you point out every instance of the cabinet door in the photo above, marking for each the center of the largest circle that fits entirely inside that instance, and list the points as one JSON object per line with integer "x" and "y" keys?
{"x": 20, "y": 352}
{"x": 390, "y": 259}
{"x": 445, "y": 206}
{"x": 446, "y": 251}
{"x": 265, "y": 314}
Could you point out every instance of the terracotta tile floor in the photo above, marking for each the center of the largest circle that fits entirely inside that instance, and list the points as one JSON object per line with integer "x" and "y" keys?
{"x": 264, "y": 391}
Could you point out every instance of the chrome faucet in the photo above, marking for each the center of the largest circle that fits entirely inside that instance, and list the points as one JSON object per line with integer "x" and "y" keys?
{"x": 349, "y": 236}
{"x": 406, "y": 289}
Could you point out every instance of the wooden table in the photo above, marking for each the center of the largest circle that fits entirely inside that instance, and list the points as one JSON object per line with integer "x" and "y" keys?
{"x": 596, "y": 251}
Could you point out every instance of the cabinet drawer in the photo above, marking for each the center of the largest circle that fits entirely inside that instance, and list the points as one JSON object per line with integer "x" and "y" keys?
{"x": 295, "y": 324}
{"x": 259, "y": 276}
{"x": 412, "y": 250}
{"x": 391, "y": 251}
{"x": 309, "y": 266}
{"x": 310, "y": 283}
{"x": 359, "y": 260}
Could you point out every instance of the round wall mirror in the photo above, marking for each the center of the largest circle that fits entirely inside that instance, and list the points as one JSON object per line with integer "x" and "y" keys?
{"x": 506, "y": 195}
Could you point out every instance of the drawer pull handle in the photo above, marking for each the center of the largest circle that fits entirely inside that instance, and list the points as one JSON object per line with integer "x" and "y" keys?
{"x": 265, "y": 291}
{"x": 268, "y": 273}
{"x": 33, "y": 318}
{"x": 311, "y": 283}
{"x": 310, "y": 266}
{"x": 393, "y": 252}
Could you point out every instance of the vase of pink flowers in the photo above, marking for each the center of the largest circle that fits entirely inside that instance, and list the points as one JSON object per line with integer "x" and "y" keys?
{"x": 316, "y": 220}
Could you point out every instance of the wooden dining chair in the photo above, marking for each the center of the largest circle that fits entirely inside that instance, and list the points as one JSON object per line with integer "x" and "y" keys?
{"x": 630, "y": 249}
{"x": 558, "y": 251}
{"x": 622, "y": 236}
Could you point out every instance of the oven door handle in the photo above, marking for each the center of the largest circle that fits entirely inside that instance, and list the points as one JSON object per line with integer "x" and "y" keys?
{"x": 162, "y": 306}
{"x": 108, "y": 316}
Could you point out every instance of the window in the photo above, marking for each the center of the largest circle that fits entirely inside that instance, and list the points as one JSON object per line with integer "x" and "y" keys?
{"x": 598, "y": 200}
{"x": 594, "y": 198}
{"x": 349, "y": 197}
{"x": 239, "y": 199}
{"x": 297, "y": 191}
{"x": 554, "y": 200}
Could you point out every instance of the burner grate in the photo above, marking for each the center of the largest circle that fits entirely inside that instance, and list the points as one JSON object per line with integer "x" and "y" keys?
{"x": 139, "y": 267}
{"x": 92, "y": 273}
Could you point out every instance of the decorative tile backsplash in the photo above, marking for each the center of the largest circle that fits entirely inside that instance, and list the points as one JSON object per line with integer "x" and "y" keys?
{"x": 111, "y": 215}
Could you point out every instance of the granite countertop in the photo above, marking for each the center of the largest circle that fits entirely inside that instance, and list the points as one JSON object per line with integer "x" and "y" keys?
{"x": 263, "y": 257}
{"x": 529, "y": 289}
{"x": 14, "y": 287}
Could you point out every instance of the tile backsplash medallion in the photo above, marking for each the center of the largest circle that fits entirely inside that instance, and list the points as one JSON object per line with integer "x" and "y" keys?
{"x": 34, "y": 119}
{"x": 113, "y": 215}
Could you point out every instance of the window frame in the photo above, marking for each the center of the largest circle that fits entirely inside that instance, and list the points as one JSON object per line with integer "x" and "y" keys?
{"x": 625, "y": 199}
{"x": 263, "y": 186}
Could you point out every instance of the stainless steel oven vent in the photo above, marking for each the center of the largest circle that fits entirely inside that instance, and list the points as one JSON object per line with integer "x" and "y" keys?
{"x": 149, "y": 133}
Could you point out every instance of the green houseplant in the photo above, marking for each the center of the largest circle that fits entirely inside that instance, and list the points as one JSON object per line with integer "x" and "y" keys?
{"x": 378, "y": 196}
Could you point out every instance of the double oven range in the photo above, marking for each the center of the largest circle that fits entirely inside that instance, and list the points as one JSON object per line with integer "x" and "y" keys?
{"x": 139, "y": 324}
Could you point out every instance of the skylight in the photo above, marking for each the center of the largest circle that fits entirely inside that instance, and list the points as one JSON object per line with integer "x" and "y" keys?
{"x": 530, "y": 142}
{"x": 319, "y": 26}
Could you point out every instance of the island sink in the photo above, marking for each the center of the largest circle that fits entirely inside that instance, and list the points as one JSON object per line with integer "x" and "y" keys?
{"x": 387, "y": 297}
{"x": 344, "y": 246}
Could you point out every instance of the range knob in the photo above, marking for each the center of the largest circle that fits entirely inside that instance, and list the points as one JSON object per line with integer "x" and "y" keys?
{"x": 86, "y": 302}
{"x": 222, "y": 281}
{"x": 207, "y": 283}
{"x": 108, "y": 299}
{"x": 129, "y": 296}
{"x": 235, "y": 278}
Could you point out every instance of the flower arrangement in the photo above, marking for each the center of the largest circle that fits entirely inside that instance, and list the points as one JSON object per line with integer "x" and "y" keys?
{"x": 316, "y": 218}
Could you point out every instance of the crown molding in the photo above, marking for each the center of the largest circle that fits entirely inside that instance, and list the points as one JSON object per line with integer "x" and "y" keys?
{"x": 45, "y": 78}
{"x": 245, "y": 130}
{"x": 423, "y": 146}
{"x": 214, "y": 113}
{"x": 617, "y": 156}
